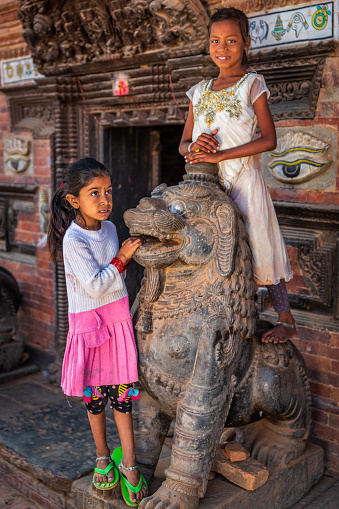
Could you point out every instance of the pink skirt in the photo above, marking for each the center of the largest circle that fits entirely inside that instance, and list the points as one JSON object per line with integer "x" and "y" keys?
{"x": 100, "y": 349}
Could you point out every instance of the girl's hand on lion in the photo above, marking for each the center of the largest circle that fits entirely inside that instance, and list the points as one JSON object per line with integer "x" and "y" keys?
{"x": 128, "y": 248}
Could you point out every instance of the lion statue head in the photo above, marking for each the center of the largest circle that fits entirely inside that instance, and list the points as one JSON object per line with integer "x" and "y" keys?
{"x": 194, "y": 233}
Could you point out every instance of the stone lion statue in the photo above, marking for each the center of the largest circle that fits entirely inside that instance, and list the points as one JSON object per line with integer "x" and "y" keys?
{"x": 201, "y": 360}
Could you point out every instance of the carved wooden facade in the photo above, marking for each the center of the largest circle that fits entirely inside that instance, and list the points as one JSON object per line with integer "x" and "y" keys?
{"x": 160, "y": 45}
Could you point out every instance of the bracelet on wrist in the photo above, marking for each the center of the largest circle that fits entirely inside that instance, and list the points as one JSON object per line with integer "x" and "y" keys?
{"x": 118, "y": 264}
{"x": 189, "y": 146}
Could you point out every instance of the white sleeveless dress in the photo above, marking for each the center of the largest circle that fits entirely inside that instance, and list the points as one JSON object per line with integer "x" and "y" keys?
{"x": 231, "y": 111}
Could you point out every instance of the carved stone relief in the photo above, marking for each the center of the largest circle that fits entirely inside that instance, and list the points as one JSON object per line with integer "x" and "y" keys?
{"x": 305, "y": 158}
{"x": 3, "y": 225}
{"x": 298, "y": 158}
{"x": 293, "y": 76}
{"x": 316, "y": 253}
{"x": 18, "y": 155}
{"x": 74, "y": 32}
{"x": 15, "y": 199}
{"x": 44, "y": 209}
{"x": 33, "y": 112}
{"x": 316, "y": 267}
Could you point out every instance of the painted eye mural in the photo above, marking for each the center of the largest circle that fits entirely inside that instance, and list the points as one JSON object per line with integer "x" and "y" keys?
{"x": 299, "y": 157}
{"x": 17, "y": 154}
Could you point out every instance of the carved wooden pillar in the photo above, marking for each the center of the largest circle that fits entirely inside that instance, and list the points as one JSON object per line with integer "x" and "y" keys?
{"x": 65, "y": 151}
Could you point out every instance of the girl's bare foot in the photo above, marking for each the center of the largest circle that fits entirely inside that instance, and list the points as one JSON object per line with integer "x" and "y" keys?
{"x": 102, "y": 462}
{"x": 279, "y": 334}
{"x": 133, "y": 477}
{"x": 284, "y": 330}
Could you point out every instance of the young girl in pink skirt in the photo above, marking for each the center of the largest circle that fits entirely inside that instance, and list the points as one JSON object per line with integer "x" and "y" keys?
{"x": 100, "y": 361}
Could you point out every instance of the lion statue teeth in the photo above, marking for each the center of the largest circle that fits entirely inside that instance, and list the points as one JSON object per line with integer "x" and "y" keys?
{"x": 201, "y": 359}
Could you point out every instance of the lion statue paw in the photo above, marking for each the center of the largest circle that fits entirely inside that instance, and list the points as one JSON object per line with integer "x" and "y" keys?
{"x": 171, "y": 495}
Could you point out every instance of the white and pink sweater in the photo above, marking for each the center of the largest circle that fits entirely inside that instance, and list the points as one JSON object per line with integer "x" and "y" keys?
{"x": 91, "y": 280}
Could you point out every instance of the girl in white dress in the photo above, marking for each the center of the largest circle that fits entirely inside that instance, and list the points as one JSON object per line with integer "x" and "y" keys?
{"x": 220, "y": 128}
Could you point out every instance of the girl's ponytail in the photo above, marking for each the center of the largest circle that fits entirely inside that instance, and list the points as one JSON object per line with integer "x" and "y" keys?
{"x": 61, "y": 216}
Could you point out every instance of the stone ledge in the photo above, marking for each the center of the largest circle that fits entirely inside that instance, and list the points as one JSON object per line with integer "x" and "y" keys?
{"x": 283, "y": 488}
{"x": 324, "y": 495}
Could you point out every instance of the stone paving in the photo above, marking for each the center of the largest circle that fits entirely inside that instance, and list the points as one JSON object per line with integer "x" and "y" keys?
{"x": 47, "y": 455}
{"x": 45, "y": 444}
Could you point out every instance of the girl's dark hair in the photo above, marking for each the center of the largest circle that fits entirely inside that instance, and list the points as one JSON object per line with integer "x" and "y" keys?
{"x": 77, "y": 175}
{"x": 236, "y": 15}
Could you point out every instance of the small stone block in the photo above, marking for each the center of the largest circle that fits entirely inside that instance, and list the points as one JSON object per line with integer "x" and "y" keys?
{"x": 235, "y": 452}
{"x": 248, "y": 474}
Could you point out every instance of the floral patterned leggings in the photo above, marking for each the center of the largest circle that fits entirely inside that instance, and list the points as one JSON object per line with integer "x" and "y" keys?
{"x": 112, "y": 392}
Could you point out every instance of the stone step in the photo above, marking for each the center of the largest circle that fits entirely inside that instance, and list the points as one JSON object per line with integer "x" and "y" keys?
{"x": 324, "y": 495}
{"x": 12, "y": 499}
{"x": 45, "y": 444}
{"x": 282, "y": 489}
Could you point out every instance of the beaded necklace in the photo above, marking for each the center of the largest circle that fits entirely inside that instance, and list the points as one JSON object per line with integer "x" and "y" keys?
{"x": 213, "y": 101}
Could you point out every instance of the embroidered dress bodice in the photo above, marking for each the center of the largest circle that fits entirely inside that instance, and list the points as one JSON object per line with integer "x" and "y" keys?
{"x": 231, "y": 111}
{"x": 213, "y": 101}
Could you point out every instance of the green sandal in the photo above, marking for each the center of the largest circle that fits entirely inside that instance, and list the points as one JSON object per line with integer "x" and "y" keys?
{"x": 125, "y": 485}
{"x": 110, "y": 466}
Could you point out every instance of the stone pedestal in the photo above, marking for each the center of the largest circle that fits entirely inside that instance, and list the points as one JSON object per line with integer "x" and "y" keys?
{"x": 282, "y": 490}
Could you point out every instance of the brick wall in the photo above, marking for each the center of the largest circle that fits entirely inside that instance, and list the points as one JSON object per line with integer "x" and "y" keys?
{"x": 36, "y": 314}
{"x": 320, "y": 350}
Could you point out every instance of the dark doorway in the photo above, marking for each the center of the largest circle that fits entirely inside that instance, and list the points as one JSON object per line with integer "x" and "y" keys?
{"x": 172, "y": 164}
{"x": 140, "y": 158}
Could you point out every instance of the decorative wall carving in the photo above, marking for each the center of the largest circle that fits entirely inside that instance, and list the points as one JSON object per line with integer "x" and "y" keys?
{"x": 305, "y": 158}
{"x": 316, "y": 259}
{"x": 45, "y": 112}
{"x": 44, "y": 209}
{"x": 75, "y": 32}
{"x": 17, "y": 155}
{"x": 3, "y": 225}
{"x": 293, "y": 76}
{"x": 298, "y": 157}
{"x": 312, "y": 230}
{"x": 258, "y": 5}
{"x": 32, "y": 112}
{"x": 316, "y": 262}
{"x": 15, "y": 199}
